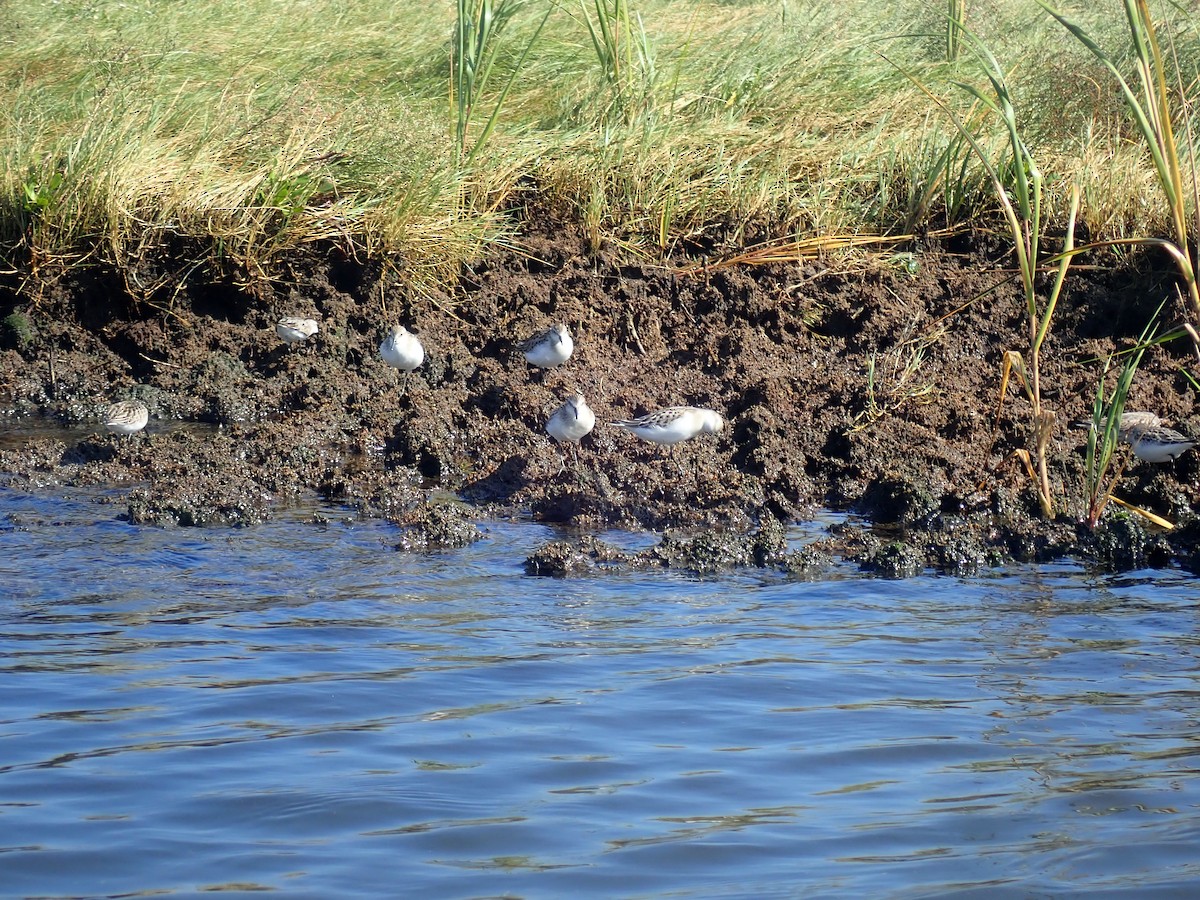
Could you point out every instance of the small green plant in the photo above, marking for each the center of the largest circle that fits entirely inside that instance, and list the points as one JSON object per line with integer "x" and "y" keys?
{"x": 39, "y": 194}
{"x": 289, "y": 194}
{"x": 899, "y": 385}
{"x": 16, "y": 330}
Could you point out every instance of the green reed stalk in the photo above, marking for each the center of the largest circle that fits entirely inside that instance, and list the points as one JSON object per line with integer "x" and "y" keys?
{"x": 1105, "y": 430}
{"x": 612, "y": 22}
{"x": 623, "y": 52}
{"x": 956, "y": 14}
{"x": 478, "y": 27}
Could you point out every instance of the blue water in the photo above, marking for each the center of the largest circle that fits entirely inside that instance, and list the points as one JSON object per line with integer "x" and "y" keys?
{"x": 300, "y": 708}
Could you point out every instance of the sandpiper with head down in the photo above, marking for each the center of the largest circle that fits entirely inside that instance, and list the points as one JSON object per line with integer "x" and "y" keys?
{"x": 126, "y": 417}
{"x": 402, "y": 350}
{"x": 1157, "y": 443}
{"x": 1135, "y": 419}
{"x": 673, "y": 424}
{"x": 548, "y": 348}
{"x": 294, "y": 329}
{"x": 1151, "y": 440}
{"x": 1129, "y": 421}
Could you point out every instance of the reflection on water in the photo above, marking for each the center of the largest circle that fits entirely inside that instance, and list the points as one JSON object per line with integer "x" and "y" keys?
{"x": 302, "y": 709}
{"x": 18, "y": 436}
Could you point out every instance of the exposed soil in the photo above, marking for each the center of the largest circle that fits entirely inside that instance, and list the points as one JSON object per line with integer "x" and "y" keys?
{"x": 783, "y": 352}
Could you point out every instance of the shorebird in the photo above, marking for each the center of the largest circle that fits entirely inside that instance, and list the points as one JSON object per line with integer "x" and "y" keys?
{"x": 1157, "y": 443}
{"x": 294, "y": 329}
{"x": 402, "y": 350}
{"x": 571, "y": 423}
{"x": 126, "y": 417}
{"x": 1129, "y": 421}
{"x": 1151, "y": 440}
{"x": 672, "y": 425}
{"x": 548, "y": 348}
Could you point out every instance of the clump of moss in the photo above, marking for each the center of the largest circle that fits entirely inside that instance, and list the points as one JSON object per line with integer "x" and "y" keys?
{"x": 17, "y": 331}
{"x": 558, "y": 559}
{"x": 201, "y": 504}
{"x": 1123, "y": 544}
{"x": 895, "y": 560}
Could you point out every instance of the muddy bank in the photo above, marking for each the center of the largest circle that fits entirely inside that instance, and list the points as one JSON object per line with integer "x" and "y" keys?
{"x": 867, "y": 384}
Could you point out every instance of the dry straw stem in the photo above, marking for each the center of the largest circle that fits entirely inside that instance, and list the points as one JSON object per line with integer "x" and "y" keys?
{"x": 795, "y": 251}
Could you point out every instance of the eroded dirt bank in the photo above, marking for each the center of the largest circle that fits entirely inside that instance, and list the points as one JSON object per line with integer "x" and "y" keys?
{"x": 782, "y": 352}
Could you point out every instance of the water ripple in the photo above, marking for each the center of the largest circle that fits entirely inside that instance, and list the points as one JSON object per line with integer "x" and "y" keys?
{"x": 302, "y": 709}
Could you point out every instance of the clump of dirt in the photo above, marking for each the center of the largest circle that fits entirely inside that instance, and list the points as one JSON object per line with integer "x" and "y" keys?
{"x": 175, "y": 501}
{"x": 852, "y": 383}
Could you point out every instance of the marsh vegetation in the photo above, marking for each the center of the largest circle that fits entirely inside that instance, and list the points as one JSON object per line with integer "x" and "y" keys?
{"x": 234, "y": 133}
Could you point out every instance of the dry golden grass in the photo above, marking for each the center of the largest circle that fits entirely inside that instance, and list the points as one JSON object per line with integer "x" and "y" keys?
{"x": 244, "y": 131}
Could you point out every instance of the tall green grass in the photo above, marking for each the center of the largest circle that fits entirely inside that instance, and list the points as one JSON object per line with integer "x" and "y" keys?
{"x": 1152, "y": 95}
{"x": 235, "y": 133}
{"x": 1017, "y": 184}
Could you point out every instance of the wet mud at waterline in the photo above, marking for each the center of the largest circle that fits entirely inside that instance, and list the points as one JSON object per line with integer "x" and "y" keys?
{"x": 867, "y": 384}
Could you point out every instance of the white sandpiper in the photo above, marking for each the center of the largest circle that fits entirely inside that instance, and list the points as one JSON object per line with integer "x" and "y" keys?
{"x": 402, "y": 350}
{"x": 673, "y": 424}
{"x": 294, "y": 329}
{"x": 571, "y": 423}
{"x": 126, "y": 417}
{"x": 548, "y": 348}
{"x": 1157, "y": 443}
